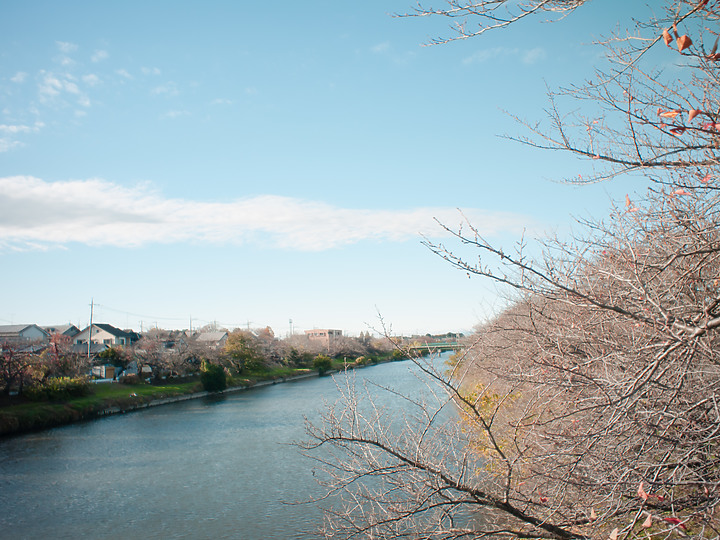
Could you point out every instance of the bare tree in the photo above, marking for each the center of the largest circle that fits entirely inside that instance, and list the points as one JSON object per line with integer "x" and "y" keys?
{"x": 589, "y": 407}
{"x": 19, "y": 365}
{"x": 473, "y": 18}
{"x": 591, "y": 404}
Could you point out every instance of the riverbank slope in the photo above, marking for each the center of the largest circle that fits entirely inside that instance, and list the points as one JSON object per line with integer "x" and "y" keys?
{"x": 113, "y": 398}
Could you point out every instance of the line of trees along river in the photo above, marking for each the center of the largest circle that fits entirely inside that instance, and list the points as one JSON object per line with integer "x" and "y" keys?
{"x": 218, "y": 467}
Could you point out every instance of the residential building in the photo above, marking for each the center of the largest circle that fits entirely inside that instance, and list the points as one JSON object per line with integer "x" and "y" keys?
{"x": 69, "y": 330}
{"x": 22, "y": 333}
{"x": 213, "y": 340}
{"x": 107, "y": 335}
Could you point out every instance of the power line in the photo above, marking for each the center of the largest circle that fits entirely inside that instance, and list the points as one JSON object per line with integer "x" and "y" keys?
{"x": 153, "y": 317}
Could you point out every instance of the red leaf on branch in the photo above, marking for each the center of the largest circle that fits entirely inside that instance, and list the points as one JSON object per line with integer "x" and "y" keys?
{"x": 692, "y": 113}
{"x": 648, "y": 522}
{"x": 678, "y": 130}
{"x": 705, "y": 179}
{"x": 669, "y": 114}
{"x": 683, "y": 42}
{"x": 642, "y": 493}
{"x": 680, "y": 191}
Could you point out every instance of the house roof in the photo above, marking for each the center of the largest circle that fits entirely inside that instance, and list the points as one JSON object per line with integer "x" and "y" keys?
{"x": 61, "y": 329}
{"x": 14, "y": 330}
{"x": 211, "y": 336}
{"x": 110, "y": 329}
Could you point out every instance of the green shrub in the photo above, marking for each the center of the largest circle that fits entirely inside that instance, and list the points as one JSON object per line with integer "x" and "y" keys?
{"x": 213, "y": 377}
{"x": 59, "y": 389}
{"x": 322, "y": 363}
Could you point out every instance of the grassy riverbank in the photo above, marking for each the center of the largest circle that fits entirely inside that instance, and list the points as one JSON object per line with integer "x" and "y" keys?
{"x": 18, "y": 415}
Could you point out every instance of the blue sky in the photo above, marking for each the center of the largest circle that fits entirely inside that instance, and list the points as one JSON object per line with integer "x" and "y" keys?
{"x": 255, "y": 162}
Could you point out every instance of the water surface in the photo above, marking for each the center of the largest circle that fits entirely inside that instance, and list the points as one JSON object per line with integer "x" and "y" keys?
{"x": 219, "y": 467}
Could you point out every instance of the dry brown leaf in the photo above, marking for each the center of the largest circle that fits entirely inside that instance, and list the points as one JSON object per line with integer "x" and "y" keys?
{"x": 683, "y": 42}
{"x": 667, "y": 37}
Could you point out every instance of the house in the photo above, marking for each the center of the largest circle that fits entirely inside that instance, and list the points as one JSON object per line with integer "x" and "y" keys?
{"x": 22, "y": 333}
{"x": 212, "y": 340}
{"x": 107, "y": 335}
{"x": 323, "y": 335}
{"x": 168, "y": 340}
{"x": 68, "y": 330}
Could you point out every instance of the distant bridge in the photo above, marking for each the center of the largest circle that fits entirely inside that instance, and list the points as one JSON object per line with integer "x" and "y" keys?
{"x": 441, "y": 346}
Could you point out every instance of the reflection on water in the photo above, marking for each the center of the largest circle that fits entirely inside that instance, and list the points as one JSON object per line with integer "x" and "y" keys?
{"x": 219, "y": 467}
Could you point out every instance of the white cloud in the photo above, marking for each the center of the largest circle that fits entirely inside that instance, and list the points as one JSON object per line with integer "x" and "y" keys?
{"x": 5, "y": 146}
{"x": 19, "y": 77}
{"x": 124, "y": 73}
{"x": 527, "y": 56}
{"x": 91, "y": 79}
{"x": 4, "y": 128}
{"x": 52, "y": 86}
{"x": 10, "y": 132}
{"x": 99, "y": 56}
{"x": 168, "y": 89}
{"x": 100, "y": 213}
{"x": 381, "y": 47}
{"x": 150, "y": 71}
{"x": 221, "y": 101}
{"x": 534, "y": 55}
{"x": 175, "y": 114}
{"x": 66, "y": 47}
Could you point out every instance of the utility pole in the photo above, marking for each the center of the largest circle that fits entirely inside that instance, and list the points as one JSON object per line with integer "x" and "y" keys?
{"x": 92, "y": 305}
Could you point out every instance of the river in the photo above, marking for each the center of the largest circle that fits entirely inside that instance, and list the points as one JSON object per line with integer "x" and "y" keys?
{"x": 217, "y": 467}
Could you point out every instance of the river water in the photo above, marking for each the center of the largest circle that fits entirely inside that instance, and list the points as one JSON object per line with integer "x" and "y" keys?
{"x": 218, "y": 467}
